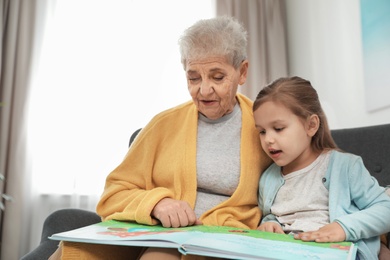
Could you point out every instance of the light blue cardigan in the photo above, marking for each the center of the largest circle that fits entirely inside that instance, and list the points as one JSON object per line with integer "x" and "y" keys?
{"x": 356, "y": 201}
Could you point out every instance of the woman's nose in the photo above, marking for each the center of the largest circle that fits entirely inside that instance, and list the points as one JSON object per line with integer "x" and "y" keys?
{"x": 206, "y": 88}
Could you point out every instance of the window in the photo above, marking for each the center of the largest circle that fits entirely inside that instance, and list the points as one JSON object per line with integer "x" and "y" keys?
{"x": 106, "y": 67}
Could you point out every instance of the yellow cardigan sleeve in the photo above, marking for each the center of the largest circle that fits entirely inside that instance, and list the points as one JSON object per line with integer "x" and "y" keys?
{"x": 160, "y": 163}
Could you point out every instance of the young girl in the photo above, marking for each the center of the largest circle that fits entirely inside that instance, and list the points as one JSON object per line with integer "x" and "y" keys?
{"x": 313, "y": 189}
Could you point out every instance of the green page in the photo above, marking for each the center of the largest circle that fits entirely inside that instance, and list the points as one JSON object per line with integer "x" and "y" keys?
{"x": 216, "y": 241}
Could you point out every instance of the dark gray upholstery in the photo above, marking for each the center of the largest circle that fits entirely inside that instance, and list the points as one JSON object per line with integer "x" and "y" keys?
{"x": 371, "y": 143}
{"x": 134, "y": 135}
{"x": 60, "y": 221}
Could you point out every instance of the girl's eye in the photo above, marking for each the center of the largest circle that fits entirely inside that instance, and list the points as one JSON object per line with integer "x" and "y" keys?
{"x": 262, "y": 132}
{"x": 279, "y": 129}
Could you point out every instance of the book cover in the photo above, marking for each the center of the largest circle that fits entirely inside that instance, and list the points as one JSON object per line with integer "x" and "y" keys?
{"x": 216, "y": 241}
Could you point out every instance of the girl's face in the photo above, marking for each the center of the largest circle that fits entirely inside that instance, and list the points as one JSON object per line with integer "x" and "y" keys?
{"x": 212, "y": 83}
{"x": 285, "y": 137}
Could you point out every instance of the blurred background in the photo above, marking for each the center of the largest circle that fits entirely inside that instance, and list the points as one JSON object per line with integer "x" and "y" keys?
{"x": 78, "y": 77}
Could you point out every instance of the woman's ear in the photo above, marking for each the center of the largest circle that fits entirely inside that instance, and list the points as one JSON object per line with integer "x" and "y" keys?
{"x": 313, "y": 123}
{"x": 243, "y": 72}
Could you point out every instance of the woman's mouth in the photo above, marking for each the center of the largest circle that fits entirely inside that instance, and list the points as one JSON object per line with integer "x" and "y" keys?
{"x": 208, "y": 102}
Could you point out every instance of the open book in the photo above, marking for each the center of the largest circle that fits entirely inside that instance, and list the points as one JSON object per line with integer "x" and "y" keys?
{"x": 216, "y": 241}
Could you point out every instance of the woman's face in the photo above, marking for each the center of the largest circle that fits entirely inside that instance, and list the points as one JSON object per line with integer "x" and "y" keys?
{"x": 212, "y": 83}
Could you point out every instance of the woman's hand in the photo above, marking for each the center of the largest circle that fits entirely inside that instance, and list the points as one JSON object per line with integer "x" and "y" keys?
{"x": 175, "y": 213}
{"x": 271, "y": 227}
{"x": 332, "y": 232}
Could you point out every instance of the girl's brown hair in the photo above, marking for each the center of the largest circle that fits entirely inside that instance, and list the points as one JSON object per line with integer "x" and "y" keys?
{"x": 298, "y": 95}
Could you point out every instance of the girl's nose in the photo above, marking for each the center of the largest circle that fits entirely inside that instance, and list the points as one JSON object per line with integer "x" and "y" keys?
{"x": 269, "y": 139}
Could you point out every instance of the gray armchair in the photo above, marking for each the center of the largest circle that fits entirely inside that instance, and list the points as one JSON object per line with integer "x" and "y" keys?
{"x": 60, "y": 221}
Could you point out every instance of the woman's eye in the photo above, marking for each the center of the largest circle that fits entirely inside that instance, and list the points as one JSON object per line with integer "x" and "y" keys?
{"x": 193, "y": 79}
{"x": 218, "y": 78}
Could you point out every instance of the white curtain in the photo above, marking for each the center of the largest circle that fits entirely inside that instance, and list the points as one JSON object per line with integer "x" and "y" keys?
{"x": 22, "y": 26}
{"x": 265, "y": 21}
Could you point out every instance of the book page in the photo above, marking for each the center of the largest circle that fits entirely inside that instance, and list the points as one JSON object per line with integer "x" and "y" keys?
{"x": 216, "y": 241}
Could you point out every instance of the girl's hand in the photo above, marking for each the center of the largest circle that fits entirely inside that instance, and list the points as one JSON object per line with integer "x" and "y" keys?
{"x": 332, "y": 232}
{"x": 175, "y": 213}
{"x": 271, "y": 227}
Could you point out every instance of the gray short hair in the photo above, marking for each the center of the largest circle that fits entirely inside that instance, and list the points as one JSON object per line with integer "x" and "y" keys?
{"x": 220, "y": 36}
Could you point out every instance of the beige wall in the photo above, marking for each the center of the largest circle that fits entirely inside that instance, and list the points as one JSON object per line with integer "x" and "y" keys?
{"x": 325, "y": 46}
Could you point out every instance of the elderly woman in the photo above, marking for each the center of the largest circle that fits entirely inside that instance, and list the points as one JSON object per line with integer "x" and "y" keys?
{"x": 198, "y": 162}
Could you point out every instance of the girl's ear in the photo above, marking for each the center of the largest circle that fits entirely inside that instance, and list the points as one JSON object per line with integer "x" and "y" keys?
{"x": 313, "y": 123}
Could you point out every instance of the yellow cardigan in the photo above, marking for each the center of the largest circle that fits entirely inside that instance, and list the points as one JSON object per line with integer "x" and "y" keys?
{"x": 161, "y": 163}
